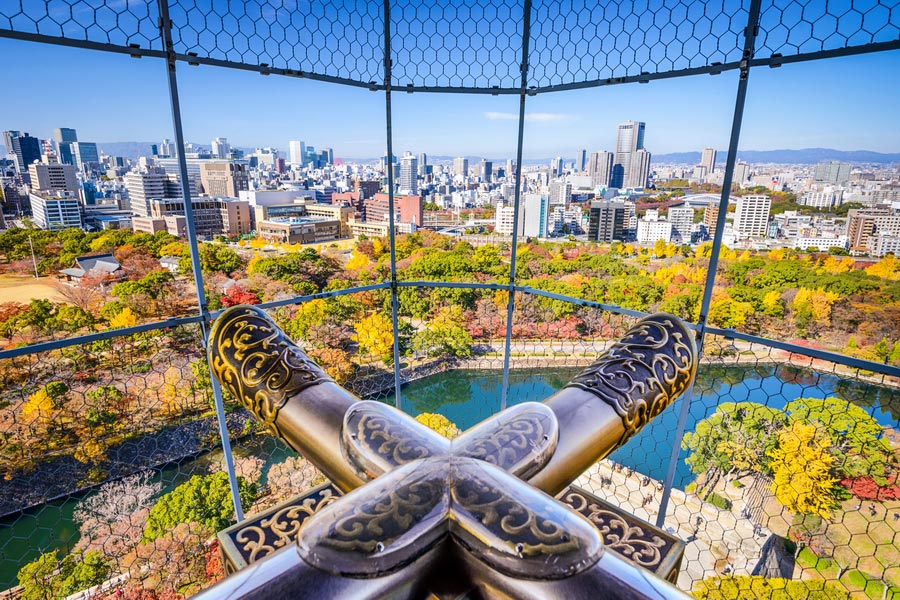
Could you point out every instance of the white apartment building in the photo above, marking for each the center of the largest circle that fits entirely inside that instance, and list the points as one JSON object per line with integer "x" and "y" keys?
{"x": 751, "y": 216}
{"x": 651, "y": 231}
{"x": 682, "y": 220}
{"x": 53, "y": 212}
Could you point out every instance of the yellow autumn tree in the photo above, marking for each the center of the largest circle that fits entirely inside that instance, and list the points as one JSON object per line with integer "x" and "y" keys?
{"x": 174, "y": 391}
{"x": 772, "y": 305}
{"x": 357, "y": 261}
{"x": 258, "y": 243}
{"x": 439, "y": 423}
{"x": 834, "y": 265}
{"x": 375, "y": 335}
{"x": 801, "y": 467}
{"x": 886, "y": 268}
{"x": 813, "y": 307}
{"x": 39, "y": 407}
{"x": 777, "y": 254}
{"x": 91, "y": 452}
{"x": 124, "y": 319}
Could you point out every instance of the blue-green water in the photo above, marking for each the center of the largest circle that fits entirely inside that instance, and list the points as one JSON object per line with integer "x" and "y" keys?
{"x": 467, "y": 397}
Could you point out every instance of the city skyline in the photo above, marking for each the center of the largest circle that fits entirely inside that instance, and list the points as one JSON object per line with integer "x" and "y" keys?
{"x": 256, "y": 112}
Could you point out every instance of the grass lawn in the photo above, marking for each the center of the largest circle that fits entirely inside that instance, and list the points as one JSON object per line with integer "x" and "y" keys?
{"x": 22, "y": 288}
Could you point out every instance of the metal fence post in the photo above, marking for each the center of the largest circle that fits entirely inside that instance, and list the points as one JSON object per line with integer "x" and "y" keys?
{"x": 511, "y": 301}
{"x": 389, "y": 133}
{"x": 165, "y": 25}
{"x": 749, "y": 44}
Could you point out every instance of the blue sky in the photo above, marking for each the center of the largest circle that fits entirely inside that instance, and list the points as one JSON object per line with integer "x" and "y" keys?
{"x": 847, "y": 103}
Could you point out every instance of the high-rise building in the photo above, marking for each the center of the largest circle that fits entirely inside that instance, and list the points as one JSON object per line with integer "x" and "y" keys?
{"x": 144, "y": 186}
{"x": 328, "y": 156}
{"x": 223, "y": 178}
{"x": 62, "y": 144}
{"x": 85, "y": 155}
{"x": 864, "y": 226}
{"x": 461, "y": 167}
{"x": 711, "y": 215}
{"x": 52, "y": 177}
{"x": 639, "y": 172}
{"x": 682, "y": 220}
{"x": 296, "y": 152}
{"x": 56, "y": 211}
{"x": 423, "y": 165}
{"x": 751, "y": 217}
{"x": 600, "y": 168}
{"x": 409, "y": 175}
{"x": 560, "y": 192}
{"x": 741, "y": 173}
{"x": 535, "y": 215}
{"x": 708, "y": 160}
{"x": 581, "y": 161}
{"x": 834, "y": 172}
{"x": 220, "y": 147}
{"x": 629, "y": 139}
{"x": 407, "y": 209}
{"x": 166, "y": 148}
{"x": 606, "y": 221}
{"x": 556, "y": 167}
{"x": 485, "y": 170}
{"x": 24, "y": 147}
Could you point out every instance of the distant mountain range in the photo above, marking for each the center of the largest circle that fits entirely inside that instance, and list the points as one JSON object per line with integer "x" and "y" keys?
{"x": 807, "y": 156}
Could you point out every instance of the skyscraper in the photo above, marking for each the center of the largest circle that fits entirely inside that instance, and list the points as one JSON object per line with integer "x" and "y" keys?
{"x": 639, "y": 172}
{"x": 461, "y": 167}
{"x": 86, "y": 155}
{"x": 220, "y": 147}
{"x": 26, "y": 149}
{"x": 62, "y": 144}
{"x": 708, "y": 160}
{"x": 409, "y": 175}
{"x": 629, "y": 139}
{"x": 581, "y": 160}
{"x": 296, "y": 152}
{"x": 536, "y": 209}
{"x": 600, "y": 168}
{"x": 329, "y": 156}
{"x": 556, "y": 167}
{"x": 485, "y": 170}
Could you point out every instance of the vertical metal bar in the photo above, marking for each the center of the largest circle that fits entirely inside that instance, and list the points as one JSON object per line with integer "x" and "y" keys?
{"x": 165, "y": 25}
{"x": 511, "y": 300}
{"x": 740, "y": 98}
{"x": 389, "y": 133}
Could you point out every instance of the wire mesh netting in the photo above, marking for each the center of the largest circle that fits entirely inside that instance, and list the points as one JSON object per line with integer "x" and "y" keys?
{"x": 460, "y": 45}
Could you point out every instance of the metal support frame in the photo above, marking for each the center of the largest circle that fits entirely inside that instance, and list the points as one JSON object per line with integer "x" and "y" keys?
{"x": 165, "y": 26}
{"x": 740, "y": 97}
{"x": 517, "y": 201}
{"x": 389, "y": 132}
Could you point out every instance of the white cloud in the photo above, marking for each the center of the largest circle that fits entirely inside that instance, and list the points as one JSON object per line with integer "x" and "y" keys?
{"x": 537, "y": 117}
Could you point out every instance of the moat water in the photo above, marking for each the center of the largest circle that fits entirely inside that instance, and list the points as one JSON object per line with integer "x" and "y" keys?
{"x": 467, "y": 397}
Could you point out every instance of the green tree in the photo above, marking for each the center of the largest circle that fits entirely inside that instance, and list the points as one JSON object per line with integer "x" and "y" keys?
{"x": 214, "y": 258}
{"x": 204, "y": 499}
{"x": 757, "y": 587}
{"x": 48, "y": 578}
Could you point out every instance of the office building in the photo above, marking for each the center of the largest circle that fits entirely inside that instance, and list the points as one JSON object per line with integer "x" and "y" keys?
{"x": 328, "y": 156}
{"x": 534, "y": 215}
{"x": 144, "y": 186}
{"x": 461, "y": 167}
{"x": 212, "y": 216}
{"x": 742, "y": 173}
{"x": 581, "y": 161}
{"x": 300, "y": 230}
{"x": 651, "y": 230}
{"x": 407, "y": 209}
{"x": 560, "y": 193}
{"x": 629, "y": 139}
{"x": 556, "y": 167}
{"x": 24, "y": 148}
{"x": 639, "y": 173}
{"x": 62, "y": 144}
{"x": 55, "y": 211}
{"x": 823, "y": 198}
{"x": 600, "y": 168}
{"x": 834, "y": 172}
{"x": 682, "y": 220}
{"x": 52, "y": 177}
{"x": 221, "y": 148}
{"x": 224, "y": 178}
{"x": 424, "y": 171}
{"x": 708, "y": 160}
{"x": 751, "y": 217}
{"x": 409, "y": 175}
{"x": 85, "y": 155}
{"x": 606, "y": 221}
{"x": 296, "y": 153}
{"x": 485, "y": 170}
